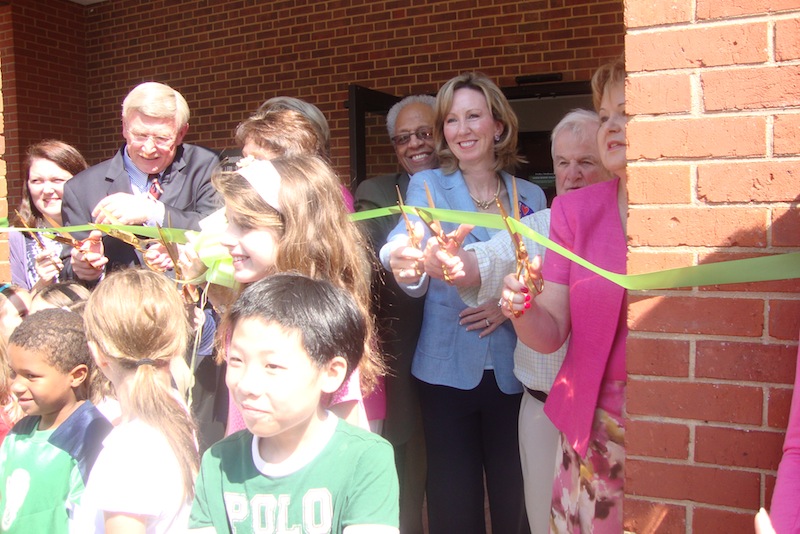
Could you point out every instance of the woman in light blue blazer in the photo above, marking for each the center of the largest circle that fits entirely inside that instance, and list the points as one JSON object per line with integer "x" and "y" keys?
{"x": 464, "y": 358}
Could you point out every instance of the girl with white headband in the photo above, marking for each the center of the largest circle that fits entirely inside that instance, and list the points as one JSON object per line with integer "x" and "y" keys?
{"x": 287, "y": 215}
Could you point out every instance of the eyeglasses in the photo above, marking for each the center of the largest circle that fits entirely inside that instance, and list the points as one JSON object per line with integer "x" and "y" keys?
{"x": 158, "y": 140}
{"x": 423, "y": 134}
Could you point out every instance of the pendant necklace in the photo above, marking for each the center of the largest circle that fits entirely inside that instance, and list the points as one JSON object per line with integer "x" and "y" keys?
{"x": 486, "y": 204}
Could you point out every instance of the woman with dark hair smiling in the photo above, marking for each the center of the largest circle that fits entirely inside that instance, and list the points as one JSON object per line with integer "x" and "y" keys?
{"x": 36, "y": 260}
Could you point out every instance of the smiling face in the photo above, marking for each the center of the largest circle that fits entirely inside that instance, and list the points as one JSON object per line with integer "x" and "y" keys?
{"x": 254, "y": 250}
{"x": 46, "y": 186}
{"x": 152, "y": 141}
{"x": 417, "y": 154}
{"x": 611, "y": 135}
{"x": 275, "y": 384}
{"x": 576, "y": 162}
{"x": 41, "y": 388}
{"x": 470, "y": 129}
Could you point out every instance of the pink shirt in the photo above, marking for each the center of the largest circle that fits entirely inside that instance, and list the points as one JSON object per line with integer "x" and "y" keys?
{"x": 785, "y": 509}
{"x": 587, "y": 222}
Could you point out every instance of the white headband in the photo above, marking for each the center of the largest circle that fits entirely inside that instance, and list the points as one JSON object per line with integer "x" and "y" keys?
{"x": 263, "y": 177}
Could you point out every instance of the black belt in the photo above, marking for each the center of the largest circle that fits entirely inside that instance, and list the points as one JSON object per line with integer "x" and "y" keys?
{"x": 541, "y": 396}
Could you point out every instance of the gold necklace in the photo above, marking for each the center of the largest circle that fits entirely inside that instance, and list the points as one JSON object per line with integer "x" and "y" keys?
{"x": 486, "y": 204}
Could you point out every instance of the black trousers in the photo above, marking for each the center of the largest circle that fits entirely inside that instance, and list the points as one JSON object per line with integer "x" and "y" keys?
{"x": 469, "y": 433}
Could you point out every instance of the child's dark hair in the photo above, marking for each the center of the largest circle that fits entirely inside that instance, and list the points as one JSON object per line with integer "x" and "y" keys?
{"x": 329, "y": 321}
{"x": 59, "y": 337}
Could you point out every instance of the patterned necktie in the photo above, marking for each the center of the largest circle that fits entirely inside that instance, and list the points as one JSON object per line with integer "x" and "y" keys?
{"x": 155, "y": 186}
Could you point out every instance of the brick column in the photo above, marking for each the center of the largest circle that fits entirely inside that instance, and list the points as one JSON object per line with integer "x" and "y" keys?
{"x": 713, "y": 156}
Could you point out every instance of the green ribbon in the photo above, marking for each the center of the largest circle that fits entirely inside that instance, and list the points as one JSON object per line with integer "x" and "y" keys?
{"x": 220, "y": 264}
{"x": 761, "y": 269}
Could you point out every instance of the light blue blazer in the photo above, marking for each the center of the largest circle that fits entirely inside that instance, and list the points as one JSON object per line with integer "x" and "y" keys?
{"x": 446, "y": 353}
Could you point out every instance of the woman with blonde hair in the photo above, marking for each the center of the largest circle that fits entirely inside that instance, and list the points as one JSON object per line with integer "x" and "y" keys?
{"x": 143, "y": 480}
{"x": 469, "y": 395}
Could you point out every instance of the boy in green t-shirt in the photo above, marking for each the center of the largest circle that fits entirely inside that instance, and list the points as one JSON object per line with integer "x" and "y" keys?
{"x": 297, "y": 468}
{"x": 46, "y": 458}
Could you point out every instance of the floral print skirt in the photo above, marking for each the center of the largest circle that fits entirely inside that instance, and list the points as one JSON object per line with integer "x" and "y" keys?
{"x": 587, "y": 492}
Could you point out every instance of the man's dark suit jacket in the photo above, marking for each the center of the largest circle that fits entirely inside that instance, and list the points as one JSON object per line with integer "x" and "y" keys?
{"x": 188, "y": 195}
{"x": 399, "y": 316}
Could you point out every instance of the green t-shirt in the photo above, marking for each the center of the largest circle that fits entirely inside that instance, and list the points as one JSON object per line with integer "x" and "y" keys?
{"x": 352, "y": 481}
{"x": 42, "y": 473}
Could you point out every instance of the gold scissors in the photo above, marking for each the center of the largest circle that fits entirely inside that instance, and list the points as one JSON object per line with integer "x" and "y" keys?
{"x": 189, "y": 291}
{"x": 62, "y": 236}
{"x": 435, "y": 227}
{"x": 126, "y": 237}
{"x": 412, "y": 238}
{"x": 525, "y": 272}
{"x": 31, "y": 232}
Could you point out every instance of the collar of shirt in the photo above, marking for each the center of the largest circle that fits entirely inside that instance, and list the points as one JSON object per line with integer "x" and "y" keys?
{"x": 140, "y": 186}
{"x": 139, "y": 180}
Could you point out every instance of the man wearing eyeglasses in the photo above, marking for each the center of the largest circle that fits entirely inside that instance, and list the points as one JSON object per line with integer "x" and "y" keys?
{"x": 153, "y": 179}
{"x": 410, "y": 127}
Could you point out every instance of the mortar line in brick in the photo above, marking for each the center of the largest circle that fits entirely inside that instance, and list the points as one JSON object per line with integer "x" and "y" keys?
{"x": 668, "y": 118}
{"x": 683, "y": 380}
{"x": 700, "y": 24}
{"x": 770, "y": 136}
{"x": 696, "y": 93}
{"x": 711, "y": 424}
{"x": 771, "y": 40}
{"x": 675, "y": 336}
{"x": 697, "y": 294}
{"x": 702, "y": 465}
{"x": 686, "y": 249}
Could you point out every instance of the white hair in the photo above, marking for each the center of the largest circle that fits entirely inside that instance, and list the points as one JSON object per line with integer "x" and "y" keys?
{"x": 577, "y": 121}
{"x": 394, "y": 111}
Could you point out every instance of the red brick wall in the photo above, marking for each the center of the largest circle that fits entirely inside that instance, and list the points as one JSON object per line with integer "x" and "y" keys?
{"x": 6, "y": 42}
{"x": 44, "y": 80}
{"x": 227, "y": 58}
{"x": 66, "y": 67}
{"x": 713, "y": 146}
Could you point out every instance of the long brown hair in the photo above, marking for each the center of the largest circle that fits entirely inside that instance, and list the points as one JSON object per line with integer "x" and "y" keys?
{"x": 137, "y": 314}
{"x": 316, "y": 237}
{"x": 65, "y": 156}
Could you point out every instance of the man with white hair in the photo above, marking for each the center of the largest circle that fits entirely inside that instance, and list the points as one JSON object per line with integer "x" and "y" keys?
{"x": 410, "y": 127}
{"x": 154, "y": 178}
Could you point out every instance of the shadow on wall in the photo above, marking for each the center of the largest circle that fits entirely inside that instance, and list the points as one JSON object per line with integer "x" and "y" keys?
{"x": 709, "y": 390}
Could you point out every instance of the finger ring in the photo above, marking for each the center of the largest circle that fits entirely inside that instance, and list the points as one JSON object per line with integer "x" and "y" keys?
{"x": 488, "y": 324}
{"x": 500, "y": 303}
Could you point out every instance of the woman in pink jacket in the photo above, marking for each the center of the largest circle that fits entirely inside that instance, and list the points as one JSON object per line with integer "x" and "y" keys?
{"x": 785, "y": 509}
{"x": 586, "y": 400}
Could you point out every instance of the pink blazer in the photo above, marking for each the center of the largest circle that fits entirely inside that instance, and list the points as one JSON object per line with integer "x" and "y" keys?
{"x": 785, "y": 509}
{"x": 587, "y": 222}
